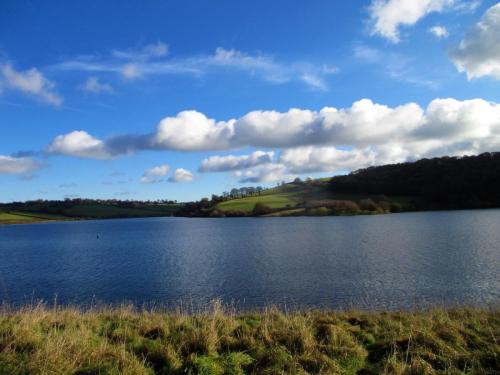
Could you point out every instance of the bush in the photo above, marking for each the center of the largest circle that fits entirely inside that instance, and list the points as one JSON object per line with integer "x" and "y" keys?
{"x": 336, "y": 207}
{"x": 261, "y": 209}
{"x": 320, "y": 211}
{"x": 368, "y": 205}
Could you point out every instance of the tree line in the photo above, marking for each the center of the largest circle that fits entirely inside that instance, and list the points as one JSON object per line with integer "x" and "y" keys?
{"x": 437, "y": 183}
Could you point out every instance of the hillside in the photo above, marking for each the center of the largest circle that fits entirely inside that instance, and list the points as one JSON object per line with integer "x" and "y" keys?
{"x": 439, "y": 183}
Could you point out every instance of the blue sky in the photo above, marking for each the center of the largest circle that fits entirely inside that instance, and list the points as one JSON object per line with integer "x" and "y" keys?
{"x": 179, "y": 100}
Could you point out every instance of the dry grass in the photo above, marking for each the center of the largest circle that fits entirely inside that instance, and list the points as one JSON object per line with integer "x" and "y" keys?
{"x": 44, "y": 340}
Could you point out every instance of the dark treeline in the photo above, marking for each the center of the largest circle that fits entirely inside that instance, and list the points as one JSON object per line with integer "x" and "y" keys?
{"x": 446, "y": 182}
{"x": 62, "y": 206}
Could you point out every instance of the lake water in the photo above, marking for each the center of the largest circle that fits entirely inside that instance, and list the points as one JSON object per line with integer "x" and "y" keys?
{"x": 387, "y": 261}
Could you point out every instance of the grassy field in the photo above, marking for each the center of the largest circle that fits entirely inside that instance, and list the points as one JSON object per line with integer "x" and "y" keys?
{"x": 41, "y": 340}
{"x": 247, "y": 204}
{"x": 279, "y": 197}
{"x": 27, "y": 217}
{"x": 290, "y": 195}
{"x": 86, "y": 212}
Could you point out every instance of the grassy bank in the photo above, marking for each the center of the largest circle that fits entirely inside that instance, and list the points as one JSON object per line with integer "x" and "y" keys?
{"x": 41, "y": 340}
{"x": 15, "y": 217}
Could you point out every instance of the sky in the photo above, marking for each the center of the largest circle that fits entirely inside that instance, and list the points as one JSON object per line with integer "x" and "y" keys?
{"x": 179, "y": 100}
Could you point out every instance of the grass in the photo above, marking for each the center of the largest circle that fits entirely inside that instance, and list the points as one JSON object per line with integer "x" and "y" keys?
{"x": 17, "y": 217}
{"x": 288, "y": 196}
{"x": 43, "y": 340}
{"x": 87, "y": 212}
{"x": 247, "y": 204}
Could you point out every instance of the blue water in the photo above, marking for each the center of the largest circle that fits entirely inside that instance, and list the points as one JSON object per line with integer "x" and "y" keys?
{"x": 387, "y": 261}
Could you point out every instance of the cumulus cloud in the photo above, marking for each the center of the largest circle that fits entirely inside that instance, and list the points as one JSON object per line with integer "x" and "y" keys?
{"x": 23, "y": 166}
{"x": 439, "y": 32}
{"x": 79, "y": 143}
{"x": 478, "y": 54}
{"x": 31, "y": 82}
{"x": 181, "y": 175}
{"x": 331, "y": 139}
{"x": 265, "y": 173}
{"x": 232, "y": 162}
{"x": 388, "y": 16}
{"x": 93, "y": 85}
{"x": 193, "y": 131}
{"x": 155, "y": 174}
{"x": 311, "y": 159}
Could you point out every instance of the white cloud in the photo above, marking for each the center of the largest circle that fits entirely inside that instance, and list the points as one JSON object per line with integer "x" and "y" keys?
{"x": 79, "y": 143}
{"x": 314, "y": 81}
{"x": 368, "y": 54}
{"x": 31, "y": 82}
{"x": 93, "y": 85}
{"x": 329, "y": 69}
{"x": 389, "y": 15}
{"x": 150, "y": 51}
{"x": 277, "y": 129}
{"x": 131, "y": 71}
{"x": 193, "y": 131}
{"x": 265, "y": 173}
{"x": 181, "y": 175}
{"x": 331, "y": 139}
{"x": 155, "y": 174}
{"x": 150, "y": 60}
{"x": 478, "y": 54}
{"x": 232, "y": 162}
{"x": 18, "y": 165}
{"x": 439, "y": 32}
{"x": 310, "y": 159}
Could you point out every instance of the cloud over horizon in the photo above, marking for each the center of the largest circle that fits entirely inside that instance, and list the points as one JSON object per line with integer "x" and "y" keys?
{"x": 328, "y": 140}
{"x": 23, "y": 166}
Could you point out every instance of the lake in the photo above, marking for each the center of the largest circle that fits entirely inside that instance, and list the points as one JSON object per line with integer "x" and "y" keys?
{"x": 381, "y": 262}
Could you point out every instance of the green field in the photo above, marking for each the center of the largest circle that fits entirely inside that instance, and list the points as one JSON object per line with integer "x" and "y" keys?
{"x": 44, "y": 340}
{"x": 283, "y": 197}
{"x": 17, "y": 217}
{"x": 247, "y": 204}
{"x": 39, "y": 214}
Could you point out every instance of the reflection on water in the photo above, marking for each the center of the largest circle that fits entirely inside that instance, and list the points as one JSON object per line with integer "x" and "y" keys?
{"x": 387, "y": 261}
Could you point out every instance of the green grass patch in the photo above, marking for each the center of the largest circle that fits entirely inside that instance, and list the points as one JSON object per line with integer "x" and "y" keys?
{"x": 276, "y": 200}
{"x": 20, "y": 217}
{"x": 41, "y": 340}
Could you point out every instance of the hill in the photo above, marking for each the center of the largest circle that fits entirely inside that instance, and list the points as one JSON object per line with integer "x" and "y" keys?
{"x": 438, "y": 183}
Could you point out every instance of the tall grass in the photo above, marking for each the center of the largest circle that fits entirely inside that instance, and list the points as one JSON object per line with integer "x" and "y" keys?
{"x": 122, "y": 340}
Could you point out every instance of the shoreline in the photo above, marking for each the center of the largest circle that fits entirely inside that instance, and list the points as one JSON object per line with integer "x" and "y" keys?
{"x": 69, "y": 219}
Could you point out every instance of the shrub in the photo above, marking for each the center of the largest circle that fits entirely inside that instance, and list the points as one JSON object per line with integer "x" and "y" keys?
{"x": 261, "y": 209}
{"x": 320, "y": 211}
{"x": 368, "y": 205}
{"x": 337, "y": 207}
